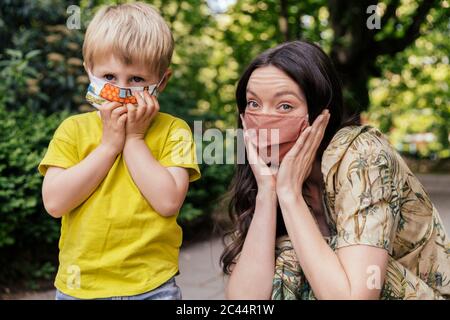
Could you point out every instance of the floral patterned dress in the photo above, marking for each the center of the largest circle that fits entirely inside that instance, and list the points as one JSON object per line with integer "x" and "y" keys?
{"x": 372, "y": 198}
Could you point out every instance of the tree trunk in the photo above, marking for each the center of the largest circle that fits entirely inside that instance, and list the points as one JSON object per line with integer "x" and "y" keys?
{"x": 350, "y": 50}
{"x": 354, "y": 48}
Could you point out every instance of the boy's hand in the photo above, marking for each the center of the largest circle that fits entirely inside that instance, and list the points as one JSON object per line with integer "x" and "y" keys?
{"x": 114, "y": 118}
{"x": 139, "y": 117}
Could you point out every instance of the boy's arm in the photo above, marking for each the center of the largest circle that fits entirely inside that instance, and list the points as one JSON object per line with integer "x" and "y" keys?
{"x": 164, "y": 188}
{"x": 65, "y": 189}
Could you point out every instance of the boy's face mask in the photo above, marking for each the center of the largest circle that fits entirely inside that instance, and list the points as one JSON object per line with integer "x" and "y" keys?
{"x": 101, "y": 91}
{"x": 273, "y": 131}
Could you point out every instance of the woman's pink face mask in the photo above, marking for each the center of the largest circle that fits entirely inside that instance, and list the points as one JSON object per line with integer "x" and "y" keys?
{"x": 274, "y": 135}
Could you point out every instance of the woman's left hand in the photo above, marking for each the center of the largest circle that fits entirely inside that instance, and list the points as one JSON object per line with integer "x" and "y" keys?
{"x": 296, "y": 165}
{"x": 139, "y": 117}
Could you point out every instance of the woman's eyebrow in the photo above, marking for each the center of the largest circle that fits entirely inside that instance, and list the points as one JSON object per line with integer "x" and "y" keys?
{"x": 288, "y": 92}
{"x": 251, "y": 92}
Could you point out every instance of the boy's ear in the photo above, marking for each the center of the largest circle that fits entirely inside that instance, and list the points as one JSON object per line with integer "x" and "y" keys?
{"x": 163, "y": 84}
{"x": 86, "y": 67}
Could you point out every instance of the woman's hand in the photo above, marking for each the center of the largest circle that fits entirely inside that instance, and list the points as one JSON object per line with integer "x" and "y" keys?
{"x": 296, "y": 165}
{"x": 265, "y": 176}
{"x": 139, "y": 117}
{"x": 114, "y": 117}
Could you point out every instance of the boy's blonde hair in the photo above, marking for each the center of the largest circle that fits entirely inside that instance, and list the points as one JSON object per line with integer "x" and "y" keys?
{"x": 133, "y": 33}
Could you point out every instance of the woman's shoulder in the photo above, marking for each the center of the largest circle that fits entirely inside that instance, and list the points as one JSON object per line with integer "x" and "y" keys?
{"x": 356, "y": 142}
{"x": 354, "y": 136}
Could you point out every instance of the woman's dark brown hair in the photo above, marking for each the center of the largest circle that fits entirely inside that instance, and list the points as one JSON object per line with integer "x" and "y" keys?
{"x": 314, "y": 73}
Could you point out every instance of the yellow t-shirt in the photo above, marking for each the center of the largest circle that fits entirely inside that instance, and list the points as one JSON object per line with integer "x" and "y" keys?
{"x": 115, "y": 243}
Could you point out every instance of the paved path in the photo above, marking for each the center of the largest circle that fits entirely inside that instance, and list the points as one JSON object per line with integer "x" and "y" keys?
{"x": 200, "y": 273}
{"x": 438, "y": 187}
{"x": 201, "y": 278}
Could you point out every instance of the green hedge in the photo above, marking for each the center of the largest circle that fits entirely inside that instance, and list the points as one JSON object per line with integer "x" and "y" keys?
{"x": 27, "y": 234}
{"x": 24, "y": 139}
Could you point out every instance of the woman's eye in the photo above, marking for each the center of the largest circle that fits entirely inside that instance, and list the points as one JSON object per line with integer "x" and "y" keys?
{"x": 109, "y": 77}
{"x": 137, "y": 79}
{"x": 286, "y": 107}
{"x": 252, "y": 104}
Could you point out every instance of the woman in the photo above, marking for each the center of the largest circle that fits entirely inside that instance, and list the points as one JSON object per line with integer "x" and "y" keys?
{"x": 341, "y": 216}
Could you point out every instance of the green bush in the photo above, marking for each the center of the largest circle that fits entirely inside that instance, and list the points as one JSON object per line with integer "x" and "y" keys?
{"x": 30, "y": 26}
{"x": 24, "y": 225}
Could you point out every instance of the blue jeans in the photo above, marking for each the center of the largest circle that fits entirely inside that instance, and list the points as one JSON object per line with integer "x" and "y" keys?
{"x": 167, "y": 291}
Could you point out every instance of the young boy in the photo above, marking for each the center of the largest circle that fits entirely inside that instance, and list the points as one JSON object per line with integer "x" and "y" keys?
{"x": 118, "y": 176}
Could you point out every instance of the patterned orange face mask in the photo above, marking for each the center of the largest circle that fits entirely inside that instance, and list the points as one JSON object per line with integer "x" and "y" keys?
{"x": 272, "y": 133}
{"x": 101, "y": 91}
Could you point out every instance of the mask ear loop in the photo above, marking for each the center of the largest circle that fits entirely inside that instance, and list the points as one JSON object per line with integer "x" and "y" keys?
{"x": 155, "y": 89}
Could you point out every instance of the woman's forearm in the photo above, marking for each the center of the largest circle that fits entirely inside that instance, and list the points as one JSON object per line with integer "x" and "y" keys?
{"x": 68, "y": 188}
{"x": 253, "y": 273}
{"x": 319, "y": 262}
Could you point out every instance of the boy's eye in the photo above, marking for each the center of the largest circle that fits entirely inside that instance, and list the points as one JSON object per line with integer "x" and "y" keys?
{"x": 286, "y": 107}
{"x": 137, "y": 79}
{"x": 252, "y": 104}
{"x": 109, "y": 77}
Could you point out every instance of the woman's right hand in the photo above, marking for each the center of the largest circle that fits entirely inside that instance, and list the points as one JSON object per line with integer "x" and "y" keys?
{"x": 114, "y": 118}
{"x": 265, "y": 176}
